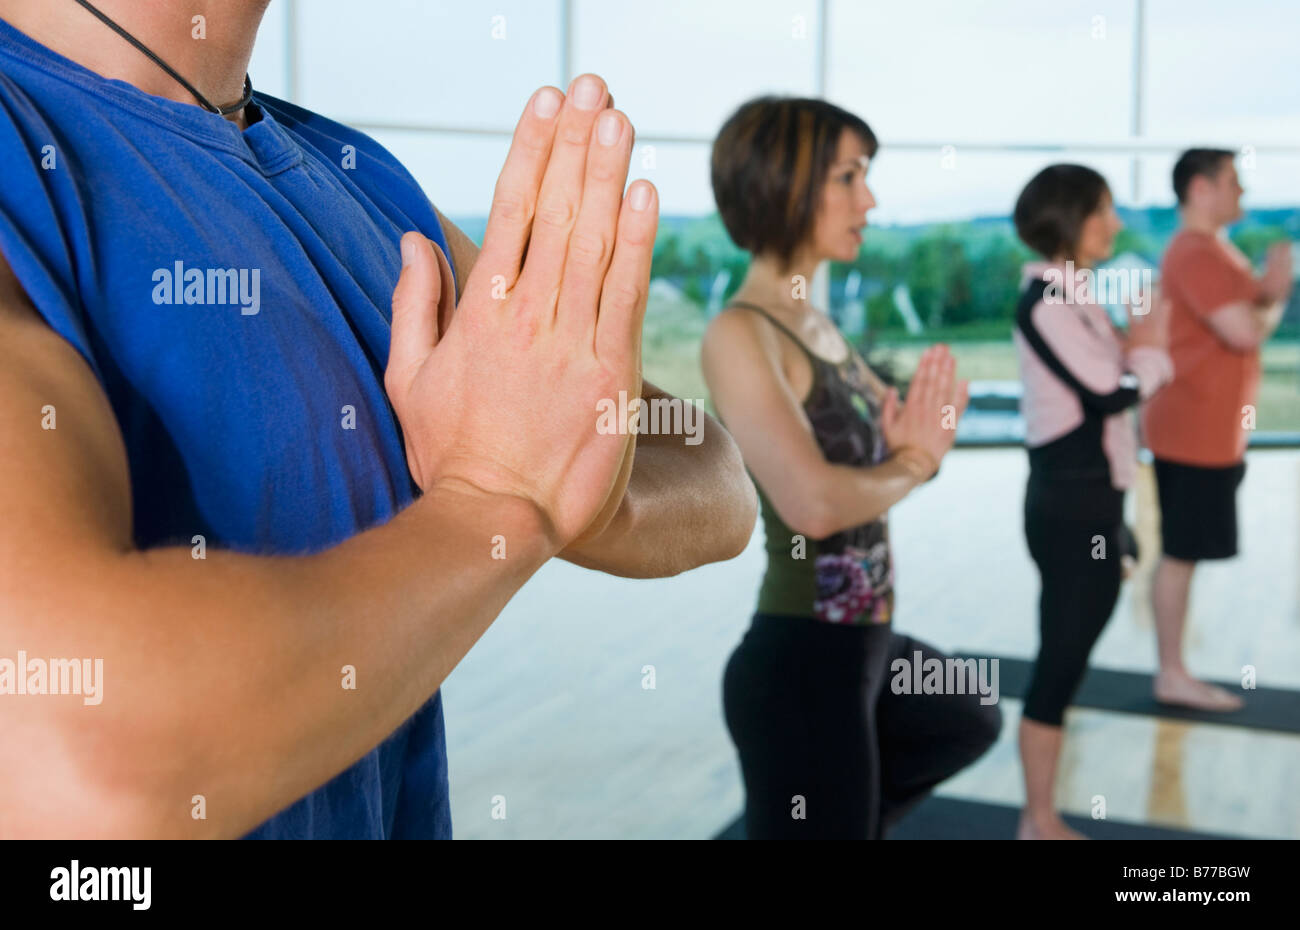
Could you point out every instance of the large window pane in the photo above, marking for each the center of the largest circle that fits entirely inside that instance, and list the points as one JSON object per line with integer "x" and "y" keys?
{"x": 949, "y": 184}
{"x": 680, "y": 67}
{"x": 469, "y": 64}
{"x": 457, "y": 172}
{"x": 1269, "y": 177}
{"x": 1223, "y": 73}
{"x": 952, "y": 70}
{"x": 681, "y": 174}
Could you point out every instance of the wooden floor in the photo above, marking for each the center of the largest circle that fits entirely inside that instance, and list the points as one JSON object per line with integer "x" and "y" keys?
{"x": 550, "y": 713}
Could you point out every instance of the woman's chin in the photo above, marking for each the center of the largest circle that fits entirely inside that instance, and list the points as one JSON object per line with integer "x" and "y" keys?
{"x": 846, "y": 254}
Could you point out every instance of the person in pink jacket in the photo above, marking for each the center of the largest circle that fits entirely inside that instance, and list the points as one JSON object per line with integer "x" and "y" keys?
{"x": 1081, "y": 377}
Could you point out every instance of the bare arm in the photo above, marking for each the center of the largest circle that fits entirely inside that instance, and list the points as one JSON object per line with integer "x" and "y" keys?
{"x": 221, "y": 676}
{"x": 685, "y": 504}
{"x": 751, "y": 392}
{"x": 224, "y": 675}
{"x": 1245, "y": 327}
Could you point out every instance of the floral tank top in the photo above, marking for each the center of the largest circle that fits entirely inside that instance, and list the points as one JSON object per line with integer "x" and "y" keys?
{"x": 848, "y": 577}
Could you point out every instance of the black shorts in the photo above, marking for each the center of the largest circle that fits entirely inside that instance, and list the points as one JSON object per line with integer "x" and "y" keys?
{"x": 1198, "y": 510}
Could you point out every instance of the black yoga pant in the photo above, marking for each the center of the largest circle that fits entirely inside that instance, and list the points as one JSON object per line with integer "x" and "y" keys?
{"x": 809, "y": 707}
{"x": 1079, "y": 592}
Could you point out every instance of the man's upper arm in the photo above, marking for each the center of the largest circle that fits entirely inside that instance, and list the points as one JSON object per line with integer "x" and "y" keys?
{"x": 1220, "y": 293}
{"x": 1237, "y": 325}
{"x": 64, "y": 483}
{"x": 463, "y": 250}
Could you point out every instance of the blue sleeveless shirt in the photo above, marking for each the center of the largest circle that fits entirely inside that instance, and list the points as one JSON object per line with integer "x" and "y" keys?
{"x": 231, "y": 291}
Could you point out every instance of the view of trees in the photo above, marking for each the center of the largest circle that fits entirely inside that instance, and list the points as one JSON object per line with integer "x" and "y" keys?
{"x": 962, "y": 276}
{"x": 959, "y": 282}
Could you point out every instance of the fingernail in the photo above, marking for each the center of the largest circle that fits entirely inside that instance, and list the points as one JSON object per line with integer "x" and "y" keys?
{"x": 608, "y": 129}
{"x": 587, "y": 93}
{"x": 408, "y": 250}
{"x": 640, "y": 198}
{"x": 546, "y": 102}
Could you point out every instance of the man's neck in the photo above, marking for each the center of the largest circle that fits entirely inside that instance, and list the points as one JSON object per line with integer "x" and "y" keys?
{"x": 1198, "y": 221}
{"x": 214, "y": 63}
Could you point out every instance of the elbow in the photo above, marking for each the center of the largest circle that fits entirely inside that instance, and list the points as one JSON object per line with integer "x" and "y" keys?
{"x": 812, "y": 518}
{"x": 731, "y": 525}
{"x": 166, "y": 804}
{"x": 731, "y": 535}
{"x": 800, "y": 495}
{"x": 126, "y": 776}
{"x": 1245, "y": 343}
{"x": 68, "y": 812}
{"x": 740, "y": 530}
{"x": 59, "y": 793}
{"x": 744, "y": 509}
{"x": 1244, "y": 337}
{"x": 118, "y": 816}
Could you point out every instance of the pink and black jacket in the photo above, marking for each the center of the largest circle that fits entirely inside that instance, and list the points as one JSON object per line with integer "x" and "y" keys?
{"x": 1079, "y": 383}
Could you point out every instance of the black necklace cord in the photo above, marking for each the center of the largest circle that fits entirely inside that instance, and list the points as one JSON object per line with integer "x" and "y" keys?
{"x": 207, "y": 105}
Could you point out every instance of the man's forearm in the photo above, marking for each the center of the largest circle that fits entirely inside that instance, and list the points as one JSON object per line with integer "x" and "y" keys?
{"x": 1268, "y": 317}
{"x": 685, "y": 506}
{"x": 252, "y": 680}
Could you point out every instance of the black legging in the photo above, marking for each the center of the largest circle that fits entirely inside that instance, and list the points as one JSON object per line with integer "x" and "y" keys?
{"x": 812, "y": 715}
{"x": 1079, "y": 592}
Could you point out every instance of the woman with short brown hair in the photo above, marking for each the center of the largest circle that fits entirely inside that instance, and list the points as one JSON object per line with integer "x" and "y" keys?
{"x": 825, "y": 748}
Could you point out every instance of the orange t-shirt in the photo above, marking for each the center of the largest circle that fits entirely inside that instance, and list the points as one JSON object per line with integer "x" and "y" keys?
{"x": 1197, "y": 419}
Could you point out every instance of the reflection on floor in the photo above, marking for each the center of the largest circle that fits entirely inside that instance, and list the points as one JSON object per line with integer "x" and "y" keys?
{"x": 592, "y": 707}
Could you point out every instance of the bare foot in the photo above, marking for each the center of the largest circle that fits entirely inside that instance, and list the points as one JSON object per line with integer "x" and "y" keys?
{"x": 1182, "y": 689}
{"x": 1045, "y": 827}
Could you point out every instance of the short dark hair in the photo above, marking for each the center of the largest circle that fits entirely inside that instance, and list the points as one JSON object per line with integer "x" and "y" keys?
{"x": 1052, "y": 208}
{"x": 1197, "y": 163}
{"x": 769, "y": 167}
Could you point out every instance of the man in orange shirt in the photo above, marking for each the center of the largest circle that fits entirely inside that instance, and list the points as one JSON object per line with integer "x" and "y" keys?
{"x": 1197, "y": 427}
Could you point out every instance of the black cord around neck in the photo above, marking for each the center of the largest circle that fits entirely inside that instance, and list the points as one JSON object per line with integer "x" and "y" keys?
{"x": 207, "y": 105}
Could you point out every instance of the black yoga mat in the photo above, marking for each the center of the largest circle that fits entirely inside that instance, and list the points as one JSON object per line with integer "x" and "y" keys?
{"x": 954, "y": 819}
{"x": 1130, "y": 693}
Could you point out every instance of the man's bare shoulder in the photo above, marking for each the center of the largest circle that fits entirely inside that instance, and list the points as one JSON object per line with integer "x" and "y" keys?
{"x": 463, "y": 250}
{"x": 15, "y": 306}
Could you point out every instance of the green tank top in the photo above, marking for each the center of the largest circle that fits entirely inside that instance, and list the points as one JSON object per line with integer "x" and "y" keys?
{"x": 848, "y": 577}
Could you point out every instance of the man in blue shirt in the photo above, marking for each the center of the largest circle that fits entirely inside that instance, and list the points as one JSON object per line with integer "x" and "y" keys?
{"x": 275, "y": 480}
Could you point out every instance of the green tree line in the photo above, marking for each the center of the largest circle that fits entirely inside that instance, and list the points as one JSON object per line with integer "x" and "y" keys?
{"x": 955, "y": 274}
